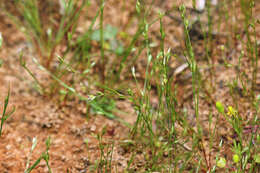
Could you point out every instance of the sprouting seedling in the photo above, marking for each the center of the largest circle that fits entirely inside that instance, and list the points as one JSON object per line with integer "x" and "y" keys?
{"x": 45, "y": 156}
{"x": 5, "y": 115}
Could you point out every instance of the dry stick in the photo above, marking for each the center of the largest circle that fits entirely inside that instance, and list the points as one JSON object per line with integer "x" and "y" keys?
{"x": 50, "y": 58}
{"x": 205, "y": 155}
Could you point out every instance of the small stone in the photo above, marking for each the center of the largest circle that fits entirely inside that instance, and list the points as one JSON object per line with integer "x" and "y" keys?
{"x": 93, "y": 128}
{"x": 8, "y": 147}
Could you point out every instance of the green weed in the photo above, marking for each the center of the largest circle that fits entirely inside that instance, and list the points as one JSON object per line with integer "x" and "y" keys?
{"x": 6, "y": 115}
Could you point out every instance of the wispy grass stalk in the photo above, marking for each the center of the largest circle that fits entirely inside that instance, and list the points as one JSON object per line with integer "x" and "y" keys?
{"x": 192, "y": 65}
{"x": 23, "y": 64}
{"x": 190, "y": 57}
{"x": 106, "y": 156}
{"x": 251, "y": 44}
{"x": 102, "y": 54}
{"x": 142, "y": 13}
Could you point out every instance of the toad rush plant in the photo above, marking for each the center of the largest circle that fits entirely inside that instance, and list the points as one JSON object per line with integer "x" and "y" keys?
{"x": 45, "y": 33}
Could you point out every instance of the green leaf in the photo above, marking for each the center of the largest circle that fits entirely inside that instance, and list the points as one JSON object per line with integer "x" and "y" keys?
{"x": 116, "y": 46}
{"x": 257, "y": 158}
{"x": 110, "y": 32}
{"x": 120, "y": 49}
{"x": 103, "y": 106}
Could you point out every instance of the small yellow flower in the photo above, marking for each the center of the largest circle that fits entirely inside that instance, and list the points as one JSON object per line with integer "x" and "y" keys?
{"x": 231, "y": 111}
